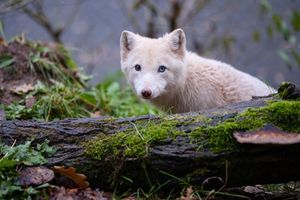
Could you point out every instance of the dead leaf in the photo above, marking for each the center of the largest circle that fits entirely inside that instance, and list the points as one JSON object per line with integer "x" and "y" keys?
{"x": 35, "y": 176}
{"x": 96, "y": 114}
{"x": 70, "y": 172}
{"x": 23, "y": 89}
{"x": 2, "y": 41}
{"x": 269, "y": 134}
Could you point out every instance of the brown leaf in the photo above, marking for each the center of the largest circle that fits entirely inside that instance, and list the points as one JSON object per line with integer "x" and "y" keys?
{"x": 269, "y": 134}
{"x": 2, "y": 41}
{"x": 23, "y": 89}
{"x": 70, "y": 172}
{"x": 35, "y": 176}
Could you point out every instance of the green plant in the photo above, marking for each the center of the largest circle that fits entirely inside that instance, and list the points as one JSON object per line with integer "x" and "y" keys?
{"x": 120, "y": 102}
{"x": 18, "y": 110}
{"x": 12, "y": 159}
{"x": 52, "y": 102}
{"x": 59, "y": 101}
{"x": 54, "y": 63}
{"x": 6, "y": 61}
{"x": 2, "y": 30}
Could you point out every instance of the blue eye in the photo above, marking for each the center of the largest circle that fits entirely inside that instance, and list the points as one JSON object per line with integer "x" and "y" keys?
{"x": 161, "y": 69}
{"x": 137, "y": 67}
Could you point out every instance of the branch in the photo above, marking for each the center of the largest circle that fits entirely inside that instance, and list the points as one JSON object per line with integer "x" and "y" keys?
{"x": 9, "y": 6}
{"x": 37, "y": 14}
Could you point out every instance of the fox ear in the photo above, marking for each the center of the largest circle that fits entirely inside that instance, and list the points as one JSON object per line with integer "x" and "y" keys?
{"x": 127, "y": 41}
{"x": 177, "y": 41}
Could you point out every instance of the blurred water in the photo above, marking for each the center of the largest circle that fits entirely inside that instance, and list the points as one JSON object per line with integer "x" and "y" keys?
{"x": 93, "y": 35}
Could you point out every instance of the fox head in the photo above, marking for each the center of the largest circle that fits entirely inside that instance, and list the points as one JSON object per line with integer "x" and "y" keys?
{"x": 154, "y": 67}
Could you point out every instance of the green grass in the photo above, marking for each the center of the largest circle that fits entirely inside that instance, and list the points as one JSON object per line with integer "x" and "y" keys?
{"x": 6, "y": 61}
{"x": 59, "y": 101}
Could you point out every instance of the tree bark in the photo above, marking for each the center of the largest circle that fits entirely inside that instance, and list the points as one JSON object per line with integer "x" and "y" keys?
{"x": 172, "y": 161}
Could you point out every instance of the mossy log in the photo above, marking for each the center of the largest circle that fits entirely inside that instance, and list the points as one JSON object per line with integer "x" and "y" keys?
{"x": 173, "y": 149}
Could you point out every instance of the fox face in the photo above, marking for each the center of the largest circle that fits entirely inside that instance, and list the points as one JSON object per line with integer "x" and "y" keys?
{"x": 153, "y": 67}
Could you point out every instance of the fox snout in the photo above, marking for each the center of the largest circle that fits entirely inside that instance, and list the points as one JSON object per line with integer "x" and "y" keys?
{"x": 146, "y": 93}
{"x": 148, "y": 86}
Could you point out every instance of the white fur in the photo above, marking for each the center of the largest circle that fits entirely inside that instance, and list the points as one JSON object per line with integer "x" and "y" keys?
{"x": 190, "y": 82}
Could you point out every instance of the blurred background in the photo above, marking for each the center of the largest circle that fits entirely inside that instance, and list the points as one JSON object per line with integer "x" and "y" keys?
{"x": 260, "y": 37}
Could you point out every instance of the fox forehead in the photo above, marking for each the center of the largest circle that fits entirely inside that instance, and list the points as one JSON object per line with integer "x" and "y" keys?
{"x": 150, "y": 53}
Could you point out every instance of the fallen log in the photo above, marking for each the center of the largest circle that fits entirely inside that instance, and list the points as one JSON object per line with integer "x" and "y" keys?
{"x": 174, "y": 149}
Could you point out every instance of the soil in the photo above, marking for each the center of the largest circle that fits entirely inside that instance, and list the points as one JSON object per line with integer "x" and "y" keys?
{"x": 17, "y": 74}
{"x": 23, "y": 76}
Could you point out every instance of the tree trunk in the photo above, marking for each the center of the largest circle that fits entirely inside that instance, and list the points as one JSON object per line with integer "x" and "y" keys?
{"x": 176, "y": 160}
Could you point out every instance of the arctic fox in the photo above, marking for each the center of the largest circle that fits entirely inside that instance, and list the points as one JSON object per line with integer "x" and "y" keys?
{"x": 163, "y": 72}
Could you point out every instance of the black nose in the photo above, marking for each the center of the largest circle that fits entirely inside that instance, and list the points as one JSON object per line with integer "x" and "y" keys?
{"x": 146, "y": 93}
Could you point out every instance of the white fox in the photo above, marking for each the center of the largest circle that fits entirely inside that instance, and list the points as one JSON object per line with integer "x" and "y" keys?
{"x": 163, "y": 72}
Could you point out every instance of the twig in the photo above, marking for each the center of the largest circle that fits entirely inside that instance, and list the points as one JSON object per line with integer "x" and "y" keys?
{"x": 38, "y": 15}
{"x": 213, "y": 193}
{"x": 9, "y": 6}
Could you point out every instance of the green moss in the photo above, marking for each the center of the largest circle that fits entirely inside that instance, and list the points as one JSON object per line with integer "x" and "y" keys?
{"x": 133, "y": 142}
{"x": 283, "y": 90}
{"x": 284, "y": 114}
{"x": 288, "y": 91}
{"x": 213, "y": 133}
{"x": 107, "y": 120}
